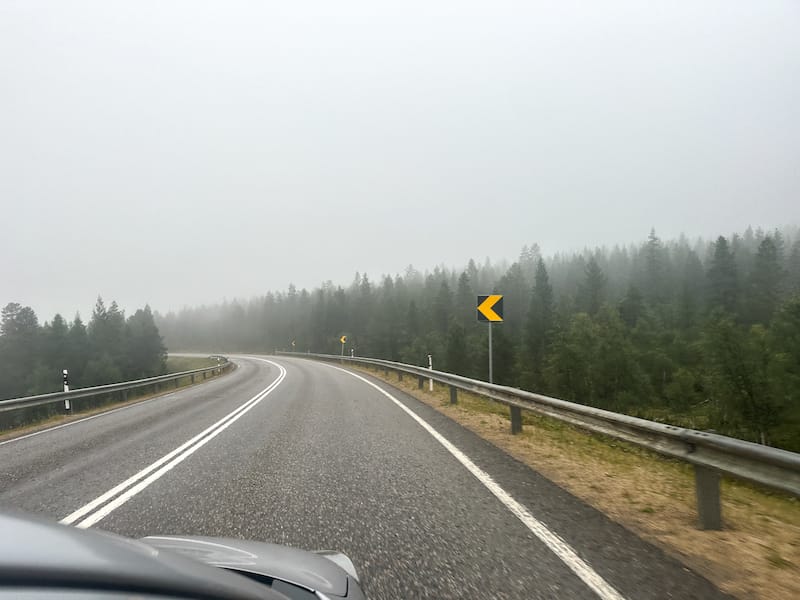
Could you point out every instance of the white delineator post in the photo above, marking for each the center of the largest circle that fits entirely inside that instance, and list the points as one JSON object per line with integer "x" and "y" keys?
{"x": 65, "y": 375}
{"x": 430, "y": 367}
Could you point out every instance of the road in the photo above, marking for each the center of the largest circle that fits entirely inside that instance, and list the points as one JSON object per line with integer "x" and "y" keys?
{"x": 302, "y": 453}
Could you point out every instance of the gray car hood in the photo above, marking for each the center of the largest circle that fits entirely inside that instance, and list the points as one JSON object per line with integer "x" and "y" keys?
{"x": 315, "y": 572}
{"x": 40, "y": 553}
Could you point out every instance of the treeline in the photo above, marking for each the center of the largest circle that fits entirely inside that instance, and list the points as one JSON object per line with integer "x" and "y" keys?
{"x": 110, "y": 349}
{"x": 703, "y": 334}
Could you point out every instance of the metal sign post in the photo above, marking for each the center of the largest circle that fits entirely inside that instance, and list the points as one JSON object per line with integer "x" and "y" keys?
{"x": 490, "y": 310}
{"x": 491, "y": 374}
{"x": 343, "y": 340}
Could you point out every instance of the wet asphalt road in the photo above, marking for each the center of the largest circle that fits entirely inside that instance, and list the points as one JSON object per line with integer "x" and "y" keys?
{"x": 325, "y": 461}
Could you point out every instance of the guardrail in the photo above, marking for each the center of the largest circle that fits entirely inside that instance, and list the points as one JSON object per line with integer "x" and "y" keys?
{"x": 709, "y": 453}
{"x": 121, "y": 389}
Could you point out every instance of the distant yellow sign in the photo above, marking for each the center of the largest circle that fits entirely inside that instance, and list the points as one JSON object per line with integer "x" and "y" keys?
{"x": 490, "y": 308}
{"x": 343, "y": 339}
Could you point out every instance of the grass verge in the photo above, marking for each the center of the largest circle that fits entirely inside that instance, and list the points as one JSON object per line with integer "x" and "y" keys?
{"x": 176, "y": 364}
{"x": 756, "y": 556}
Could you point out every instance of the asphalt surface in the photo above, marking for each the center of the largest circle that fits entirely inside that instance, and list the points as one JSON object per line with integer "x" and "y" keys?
{"x": 326, "y": 461}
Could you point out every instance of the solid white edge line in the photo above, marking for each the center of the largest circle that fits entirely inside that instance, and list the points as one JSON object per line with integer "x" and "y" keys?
{"x": 207, "y": 433}
{"x": 556, "y": 545}
{"x": 89, "y": 418}
{"x": 133, "y": 404}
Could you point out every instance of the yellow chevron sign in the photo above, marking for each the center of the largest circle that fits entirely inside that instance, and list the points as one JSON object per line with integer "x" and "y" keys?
{"x": 343, "y": 339}
{"x": 490, "y": 308}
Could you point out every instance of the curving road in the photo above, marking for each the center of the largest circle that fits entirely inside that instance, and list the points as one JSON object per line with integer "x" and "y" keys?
{"x": 308, "y": 454}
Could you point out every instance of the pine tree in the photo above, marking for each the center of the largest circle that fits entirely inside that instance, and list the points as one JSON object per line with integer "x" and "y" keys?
{"x": 692, "y": 293}
{"x": 793, "y": 269}
{"x": 539, "y": 326}
{"x": 457, "y": 357}
{"x": 631, "y": 307}
{"x": 52, "y": 358}
{"x": 569, "y": 365}
{"x": 78, "y": 344}
{"x": 618, "y": 381}
{"x": 515, "y": 301}
{"x": 723, "y": 278}
{"x": 19, "y": 348}
{"x": 145, "y": 354}
{"x": 785, "y": 343}
{"x": 528, "y": 259}
{"x": 765, "y": 281}
{"x": 741, "y": 378}
{"x": 655, "y": 269}
{"x": 592, "y": 291}
{"x": 465, "y": 300}
{"x": 442, "y": 308}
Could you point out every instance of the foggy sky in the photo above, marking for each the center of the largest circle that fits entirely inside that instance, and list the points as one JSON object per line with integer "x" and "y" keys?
{"x": 185, "y": 152}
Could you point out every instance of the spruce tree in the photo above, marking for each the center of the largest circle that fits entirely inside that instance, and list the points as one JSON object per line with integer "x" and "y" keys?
{"x": 592, "y": 291}
{"x": 723, "y": 278}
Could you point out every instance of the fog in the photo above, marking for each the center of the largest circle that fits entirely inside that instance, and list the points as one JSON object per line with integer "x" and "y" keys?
{"x": 181, "y": 153}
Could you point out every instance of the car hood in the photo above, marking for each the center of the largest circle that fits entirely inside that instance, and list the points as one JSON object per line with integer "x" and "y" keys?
{"x": 320, "y": 572}
{"x": 45, "y": 554}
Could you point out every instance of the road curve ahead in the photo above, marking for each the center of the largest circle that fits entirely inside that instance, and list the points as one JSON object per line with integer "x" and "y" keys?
{"x": 312, "y": 455}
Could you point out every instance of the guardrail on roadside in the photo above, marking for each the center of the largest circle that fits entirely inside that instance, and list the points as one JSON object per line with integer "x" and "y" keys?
{"x": 122, "y": 389}
{"x": 710, "y": 454}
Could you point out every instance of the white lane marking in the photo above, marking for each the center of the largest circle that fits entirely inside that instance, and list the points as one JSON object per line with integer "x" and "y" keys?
{"x": 558, "y": 546}
{"x": 102, "y": 414}
{"x": 146, "y": 476}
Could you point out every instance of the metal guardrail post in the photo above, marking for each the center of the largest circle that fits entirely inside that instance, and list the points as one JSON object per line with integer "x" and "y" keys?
{"x": 399, "y": 376}
{"x": 516, "y": 420}
{"x": 453, "y": 394}
{"x": 421, "y": 382}
{"x": 709, "y": 508}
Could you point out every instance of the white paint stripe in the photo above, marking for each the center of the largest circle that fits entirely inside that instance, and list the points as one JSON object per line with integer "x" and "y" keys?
{"x": 558, "y": 546}
{"x": 172, "y": 459}
{"x": 133, "y": 404}
{"x": 102, "y": 414}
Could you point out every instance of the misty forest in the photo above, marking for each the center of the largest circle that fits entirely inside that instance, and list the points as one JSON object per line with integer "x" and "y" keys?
{"x": 702, "y": 334}
{"x": 109, "y": 349}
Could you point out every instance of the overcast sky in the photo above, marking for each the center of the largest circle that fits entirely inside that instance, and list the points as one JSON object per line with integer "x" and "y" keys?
{"x": 184, "y": 152}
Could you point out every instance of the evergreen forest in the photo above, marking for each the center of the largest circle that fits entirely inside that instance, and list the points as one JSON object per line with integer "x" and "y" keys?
{"x": 702, "y": 333}
{"x": 109, "y": 349}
